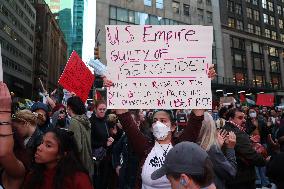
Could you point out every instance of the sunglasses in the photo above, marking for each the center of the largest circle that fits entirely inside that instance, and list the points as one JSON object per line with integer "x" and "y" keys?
{"x": 62, "y": 112}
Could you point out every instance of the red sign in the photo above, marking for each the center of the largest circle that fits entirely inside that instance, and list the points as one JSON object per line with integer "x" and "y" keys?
{"x": 265, "y": 100}
{"x": 77, "y": 77}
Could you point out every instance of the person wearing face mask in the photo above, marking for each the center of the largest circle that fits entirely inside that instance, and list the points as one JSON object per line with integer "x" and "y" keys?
{"x": 152, "y": 153}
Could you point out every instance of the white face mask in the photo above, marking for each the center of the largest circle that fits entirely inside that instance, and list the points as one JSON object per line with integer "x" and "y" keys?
{"x": 252, "y": 114}
{"x": 160, "y": 130}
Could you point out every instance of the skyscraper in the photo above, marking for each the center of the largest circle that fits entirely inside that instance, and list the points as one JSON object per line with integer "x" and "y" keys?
{"x": 69, "y": 14}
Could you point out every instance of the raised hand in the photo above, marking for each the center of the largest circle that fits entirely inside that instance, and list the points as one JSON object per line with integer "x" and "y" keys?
{"x": 212, "y": 73}
{"x": 221, "y": 136}
{"x": 5, "y": 102}
{"x": 231, "y": 140}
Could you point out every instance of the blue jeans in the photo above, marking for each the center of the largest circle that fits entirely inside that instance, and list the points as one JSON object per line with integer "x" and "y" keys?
{"x": 261, "y": 177}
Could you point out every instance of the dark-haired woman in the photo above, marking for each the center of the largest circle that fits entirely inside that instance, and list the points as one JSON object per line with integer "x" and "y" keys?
{"x": 57, "y": 164}
{"x": 81, "y": 127}
{"x": 152, "y": 153}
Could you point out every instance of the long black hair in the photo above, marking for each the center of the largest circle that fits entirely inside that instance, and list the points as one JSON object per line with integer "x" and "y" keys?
{"x": 67, "y": 166}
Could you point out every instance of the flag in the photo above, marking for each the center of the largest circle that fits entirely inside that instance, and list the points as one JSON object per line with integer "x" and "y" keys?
{"x": 242, "y": 98}
{"x": 265, "y": 100}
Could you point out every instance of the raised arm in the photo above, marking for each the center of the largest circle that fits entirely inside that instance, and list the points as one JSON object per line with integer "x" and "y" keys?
{"x": 14, "y": 170}
{"x": 135, "y": 136}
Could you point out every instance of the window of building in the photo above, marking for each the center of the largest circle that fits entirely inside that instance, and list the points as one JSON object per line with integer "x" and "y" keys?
{"x": 273, "y": 51}
{"x": 230, "y": 5}
{"x": 186, "y": 9}
{"x": 258, "y": 63}
{"x": 273, "y": 35}
{"x": 265, "y": 18}
{"x": 282, "y": 37}
{"x": 209, "y": 17}
{"x": 270, "y": 6}
{"x": 255, "y": 2}
{"x": 274, "y": 65}
{"x": 259, "y": 80}
{"x": 175, "y": 6}
{"x": 208, "y": 2}
{"x": 250, "y": 28}
{"x": 159, "y": 4}
{"x": 264, "y": 4}
{"x": 256, "y": 15}
{"x": 238, "y": 8}
{"x": 248, "y": 1}
{"x": 249, "y": 13}
{"x": 257, "y": 30}
{"x": 237, "y": 43}
{"x": 240, "y": 25}
{"x": 276, "y": 82}
{"x": 267, "y": 33}
{"x": 200, "y": 1}
{"x": 272, "y": 21}
{"x": 148, "y": 2}
{"x": 256, "y": 48}
{"x": 281, "y": 24}
{"x": 238, "y": 60}
{"x": 279, "y": 9}
{"x": 122, "y": 15}
{"x": 239, "y": 77}
{"x": 200, "y": 15}
{"x": 231, "y": 22}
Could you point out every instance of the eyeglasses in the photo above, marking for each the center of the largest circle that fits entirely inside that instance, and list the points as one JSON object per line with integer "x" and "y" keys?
{"x": 62, "y": 112}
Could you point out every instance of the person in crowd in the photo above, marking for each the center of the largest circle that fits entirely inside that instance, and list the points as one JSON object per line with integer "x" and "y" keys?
{"x": 222, "y": 117}
{"x": 152, "y": 153}
{"x": 101, "y": 145}
{"x": 81, "y": 127}
{"x": 24, "y": 123}
{"x": 212, "y": 141}
{"x": 247, "y": 157}
{"x": 193, "y": 172}
{"x": 12, "y": 170}
{"x": 125, "y": 161}
{"x": 43, "y": 121}
{"x": 58, "y": 164}
{"x": 60, "y": 117}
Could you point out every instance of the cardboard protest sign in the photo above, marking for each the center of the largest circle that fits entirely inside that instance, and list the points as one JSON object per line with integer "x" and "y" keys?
{"x": 156, "y": 67}
{"x": 77, "y": 77}
{"x": 1, "y": 67}
{"x": 265, "y": 100}
{"x": 227, "y": 100}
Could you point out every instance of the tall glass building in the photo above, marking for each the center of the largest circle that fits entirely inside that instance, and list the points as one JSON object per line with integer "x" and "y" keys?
{"x": 69, "y": 14}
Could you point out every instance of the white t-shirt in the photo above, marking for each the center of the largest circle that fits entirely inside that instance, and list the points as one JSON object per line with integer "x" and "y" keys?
{"x": 154, "y": 161}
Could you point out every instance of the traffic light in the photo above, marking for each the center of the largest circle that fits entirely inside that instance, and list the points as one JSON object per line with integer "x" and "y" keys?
{"x": 97, "y": 53}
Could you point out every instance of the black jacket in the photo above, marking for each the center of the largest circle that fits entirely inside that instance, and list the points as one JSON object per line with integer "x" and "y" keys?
{"x": 247, "y": 157}
{"x": 99, "y": 132}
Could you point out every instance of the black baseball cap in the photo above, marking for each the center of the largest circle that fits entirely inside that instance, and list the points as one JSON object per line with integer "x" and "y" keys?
{"x": 185, "y": 157}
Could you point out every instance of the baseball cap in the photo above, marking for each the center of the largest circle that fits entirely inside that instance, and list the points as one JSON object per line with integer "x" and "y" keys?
{"x": 185, "y": 157}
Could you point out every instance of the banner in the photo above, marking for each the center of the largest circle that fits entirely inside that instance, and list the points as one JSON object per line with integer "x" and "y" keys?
{"x": 265, "y": 100}
{"x": 155, "y": 67}
{"x": 77, "y": 77}
{"x": 1, "y": 66}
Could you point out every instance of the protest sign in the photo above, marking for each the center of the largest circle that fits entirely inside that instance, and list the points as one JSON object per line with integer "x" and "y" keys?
{"x": 1, "y": 68}
{"x": 265, "y": 100}
{"x": 227, "y": 101}
{"x": 159, "y": 66}
{"x": 77, "y": 77}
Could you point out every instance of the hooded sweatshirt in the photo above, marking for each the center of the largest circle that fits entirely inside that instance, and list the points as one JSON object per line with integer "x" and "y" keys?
{"x": 81, "y": 127}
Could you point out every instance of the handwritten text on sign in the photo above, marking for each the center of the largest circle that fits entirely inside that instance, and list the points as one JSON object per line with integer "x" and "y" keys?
{"x": 77, "y": 77}
{"x": 159, "y": 66}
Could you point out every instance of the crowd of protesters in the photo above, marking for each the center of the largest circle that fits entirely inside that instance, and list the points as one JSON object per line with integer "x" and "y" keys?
{"x": 58, "y": 146}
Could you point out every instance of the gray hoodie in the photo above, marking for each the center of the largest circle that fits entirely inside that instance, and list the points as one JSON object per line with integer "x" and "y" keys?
{"x": 81, "y": 127}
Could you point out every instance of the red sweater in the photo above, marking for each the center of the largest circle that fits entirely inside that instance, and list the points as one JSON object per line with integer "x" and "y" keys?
{"x": 142, "y": 146}
{"x": 78, "y": 181}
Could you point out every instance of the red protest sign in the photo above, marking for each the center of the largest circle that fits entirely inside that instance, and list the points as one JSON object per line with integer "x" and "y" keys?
{"x": 265, "y": 100}
{"x": 77, "y": 77}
